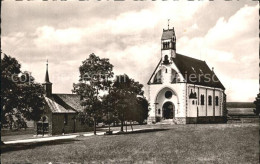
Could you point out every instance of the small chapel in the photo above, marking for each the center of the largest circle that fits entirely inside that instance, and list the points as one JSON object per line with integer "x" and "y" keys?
{"x": 184, "y": 90}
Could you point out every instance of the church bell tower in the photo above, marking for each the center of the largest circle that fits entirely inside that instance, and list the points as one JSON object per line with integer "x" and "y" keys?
{"x": 168, "y": 45}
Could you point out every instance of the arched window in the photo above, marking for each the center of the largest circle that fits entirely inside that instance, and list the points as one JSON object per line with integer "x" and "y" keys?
{"x": 202, "y": 99}
{"x": 210, "y": 100}
{"x": 216, "y": 100}
{"x": 193, "y": 102}
{"x": 158, "y": 77}
{"x": 159, "y": 111}
{"x": 166, "y": 70}
{"x": 166, "y": 60}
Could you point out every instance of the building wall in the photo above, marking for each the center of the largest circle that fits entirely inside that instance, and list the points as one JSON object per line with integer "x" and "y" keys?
{"x": 198, "y": 109}
{"x": 58, "y": 124}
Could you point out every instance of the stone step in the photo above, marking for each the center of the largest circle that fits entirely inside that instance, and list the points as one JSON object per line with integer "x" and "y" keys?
{"x": 166, "y": 121}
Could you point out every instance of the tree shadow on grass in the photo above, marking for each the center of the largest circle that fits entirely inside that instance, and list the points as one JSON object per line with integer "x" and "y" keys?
{"x": 141, "y": 131}
{"x": 23, "y": 146}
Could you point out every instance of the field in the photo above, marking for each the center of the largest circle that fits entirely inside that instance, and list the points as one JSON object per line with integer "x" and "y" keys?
{"x": 204, "y": 143}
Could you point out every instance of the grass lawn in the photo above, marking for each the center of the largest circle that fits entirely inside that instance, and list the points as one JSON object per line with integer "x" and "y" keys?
{"x": 204, "y": 143}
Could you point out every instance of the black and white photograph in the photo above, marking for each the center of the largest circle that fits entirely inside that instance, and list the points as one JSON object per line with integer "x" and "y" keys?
{"x": 130, "y": 81}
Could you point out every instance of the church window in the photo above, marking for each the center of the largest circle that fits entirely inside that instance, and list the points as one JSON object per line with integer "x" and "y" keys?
{"x": 66, "y": 119}
{"x": 202, "y": 99}
{"x": 168, "y": 94}
{"x": 193, "y": 95}
{"x": 165, "y": 70}
{"x": 210, "y": 100}
{"x": 216, "y": 100}
{"x": 159, "y": 111}
{"x": 166, "y": 60}
{"x": 192, "y": 102}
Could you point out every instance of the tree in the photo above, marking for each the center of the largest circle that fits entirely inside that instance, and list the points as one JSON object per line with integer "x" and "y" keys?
{"x": 257, "y": 105}
{"x": 125, "y": 92}
{"x": 20, "y": 94}
{"x": 95, "y": 73}
{"x": 141, "y": 112}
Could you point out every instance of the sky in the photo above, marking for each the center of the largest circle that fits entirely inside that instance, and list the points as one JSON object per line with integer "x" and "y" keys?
{"x": 223, "y": 33}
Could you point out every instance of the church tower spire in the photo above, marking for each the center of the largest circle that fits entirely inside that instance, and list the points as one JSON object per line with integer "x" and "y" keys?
{"x": 168, "y": 45}
{"x": 47, "y": 84}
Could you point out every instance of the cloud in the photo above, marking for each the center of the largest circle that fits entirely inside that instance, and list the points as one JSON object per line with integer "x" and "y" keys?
{"x": 50, "y": 36}
{"x": 231, "y": 46}
{"x": 129, "y": 35}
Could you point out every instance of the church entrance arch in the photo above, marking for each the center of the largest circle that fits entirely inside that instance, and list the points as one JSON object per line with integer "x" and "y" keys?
{"x": 168, "y": 110}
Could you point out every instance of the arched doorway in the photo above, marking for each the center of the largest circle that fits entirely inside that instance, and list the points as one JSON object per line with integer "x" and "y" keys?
{"x": 168, "y": 110}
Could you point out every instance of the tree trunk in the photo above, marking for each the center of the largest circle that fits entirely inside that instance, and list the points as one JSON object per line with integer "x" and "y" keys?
{"x": 95, "y": 130}
{"x": 126, "y": 126}
{"x": 122, "y": 126}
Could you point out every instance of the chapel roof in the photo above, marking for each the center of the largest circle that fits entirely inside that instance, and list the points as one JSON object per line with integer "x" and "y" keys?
{"x": 64, "y": 103}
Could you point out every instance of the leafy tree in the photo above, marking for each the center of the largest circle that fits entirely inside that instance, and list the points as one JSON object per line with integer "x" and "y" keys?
{"x": 95, "y": 73}
{"x": 109, "y": 109}
{"x": 124, "y": 93}
{"x": 20, "y": 94}
{"x": 143, "y": 109}
{"x": 257, "y": 105}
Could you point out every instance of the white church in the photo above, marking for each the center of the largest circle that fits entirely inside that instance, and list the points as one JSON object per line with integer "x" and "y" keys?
{"x": 184, "y": 90}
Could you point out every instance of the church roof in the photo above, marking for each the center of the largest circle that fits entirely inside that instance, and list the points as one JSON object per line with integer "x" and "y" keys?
{"x": 197, "y": 71}
{"x": 64, "y": 103}
{"x": 168, "y": 34}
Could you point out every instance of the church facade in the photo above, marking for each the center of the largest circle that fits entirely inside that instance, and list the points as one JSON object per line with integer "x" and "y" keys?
{"x": 184, "y": 90}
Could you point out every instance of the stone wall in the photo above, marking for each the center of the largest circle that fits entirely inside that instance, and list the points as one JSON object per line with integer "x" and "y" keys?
{"x": 179, "y": 120}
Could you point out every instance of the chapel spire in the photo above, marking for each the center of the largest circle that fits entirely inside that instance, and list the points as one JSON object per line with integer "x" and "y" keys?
{"x": 47, "y": 84}
{"x": 47, "y": 80}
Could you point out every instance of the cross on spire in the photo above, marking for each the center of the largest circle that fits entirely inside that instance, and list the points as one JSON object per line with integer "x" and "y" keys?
{"x": 168, "y": 23}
